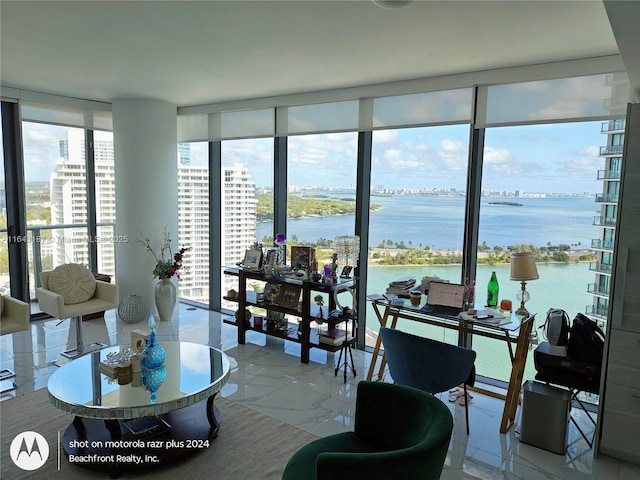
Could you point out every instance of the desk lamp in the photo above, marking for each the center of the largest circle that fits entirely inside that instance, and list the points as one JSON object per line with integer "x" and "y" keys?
{"x": 523, "y": 269}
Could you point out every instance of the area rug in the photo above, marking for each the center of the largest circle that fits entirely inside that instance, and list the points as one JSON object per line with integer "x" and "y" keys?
{"x": 250, "y": 445}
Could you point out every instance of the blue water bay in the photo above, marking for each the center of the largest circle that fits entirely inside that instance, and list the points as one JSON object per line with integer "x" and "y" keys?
{"x": 559, "y": 286}
{"x": 438, "y": 222}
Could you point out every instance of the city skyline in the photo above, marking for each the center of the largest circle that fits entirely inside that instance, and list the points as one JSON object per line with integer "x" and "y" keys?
{"x": 558, "y": 158}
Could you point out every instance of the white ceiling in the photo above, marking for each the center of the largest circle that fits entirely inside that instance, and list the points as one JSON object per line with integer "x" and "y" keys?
{"x": 192, "y": 53}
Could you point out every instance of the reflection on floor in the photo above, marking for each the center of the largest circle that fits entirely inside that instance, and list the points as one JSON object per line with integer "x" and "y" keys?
{"x": 267, "y": 376}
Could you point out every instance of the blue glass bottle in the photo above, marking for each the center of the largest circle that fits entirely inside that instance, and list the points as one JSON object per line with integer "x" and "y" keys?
{"x": 154, "y": 354}
{"x": 153, "y": 379}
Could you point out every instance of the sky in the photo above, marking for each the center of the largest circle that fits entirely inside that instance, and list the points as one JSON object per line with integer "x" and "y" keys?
{"x": 555, "y": 158}
{"x": 552, "y": 158}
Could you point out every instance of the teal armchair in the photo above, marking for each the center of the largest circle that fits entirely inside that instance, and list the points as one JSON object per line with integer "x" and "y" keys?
{"x": 400, "y": 433}
{"x": 428, "y": 364}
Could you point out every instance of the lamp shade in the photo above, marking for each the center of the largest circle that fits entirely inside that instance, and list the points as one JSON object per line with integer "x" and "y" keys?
{"x": 523, "y": 266}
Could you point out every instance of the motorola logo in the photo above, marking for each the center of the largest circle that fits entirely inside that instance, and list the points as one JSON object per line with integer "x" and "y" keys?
{"x": 29, "y": 450}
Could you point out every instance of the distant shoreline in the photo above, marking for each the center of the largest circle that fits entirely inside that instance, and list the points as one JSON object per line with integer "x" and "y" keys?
{"x": 511, "y": 204}
{"x": 574, "y": 257}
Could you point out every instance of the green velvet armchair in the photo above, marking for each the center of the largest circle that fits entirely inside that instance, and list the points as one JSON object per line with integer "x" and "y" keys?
{"x": 400, "y": 433}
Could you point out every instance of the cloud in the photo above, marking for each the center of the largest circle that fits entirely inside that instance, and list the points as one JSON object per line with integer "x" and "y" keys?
{"x": 497, "y": 158}
{"x": 453, "y": 156}
{"x": 592, "y": 151}
{"x": 581, "y": 163}
{"x": 386, "y": 136}
{"x": 325, "y": 159}
{"x": 572, "y": 97}
{"x": 582, "y": 167}
{"x": 451, "y": 149}
{"x": 402, "y": 159}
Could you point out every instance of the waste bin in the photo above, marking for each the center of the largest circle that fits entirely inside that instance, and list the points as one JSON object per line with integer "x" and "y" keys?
{"x": 546, "y": 413}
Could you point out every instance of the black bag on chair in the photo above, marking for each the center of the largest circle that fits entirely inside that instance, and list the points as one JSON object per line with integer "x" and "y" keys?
{"x": 556, "y": 327}
{"x": 586, "y": 340}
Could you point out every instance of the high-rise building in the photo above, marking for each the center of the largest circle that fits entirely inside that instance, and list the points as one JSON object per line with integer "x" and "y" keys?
{"x": 68, "y": 197}
{"x": 69, "y": 206}
{"x": 193, "y": 226}
{"x": 608, "y": 201}
{"x": 239, "y": 207}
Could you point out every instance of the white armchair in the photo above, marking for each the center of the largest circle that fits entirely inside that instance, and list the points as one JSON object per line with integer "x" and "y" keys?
{"x": 15, "y": 315}
{"x": 71, "y": 290}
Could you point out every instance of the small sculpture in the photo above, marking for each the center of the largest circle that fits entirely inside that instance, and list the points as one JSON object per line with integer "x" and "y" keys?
{"x": 334, "y": 266}
{"x": 320, "y": 302}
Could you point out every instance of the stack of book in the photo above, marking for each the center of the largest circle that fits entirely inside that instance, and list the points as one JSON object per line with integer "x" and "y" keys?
{"x": 109, "y": 370}
{"x": 401, "y": 287}
{"x": 332, "y": 337}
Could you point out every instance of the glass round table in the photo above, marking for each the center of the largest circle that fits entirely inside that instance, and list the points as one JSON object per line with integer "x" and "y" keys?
{"x": 118, "y": 425}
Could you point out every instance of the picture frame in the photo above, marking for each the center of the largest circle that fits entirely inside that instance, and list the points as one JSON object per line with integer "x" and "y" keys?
{"x": 274, "y": 316}
{"x": 252, "y": 259}
{"x": 271, "y": 292}
{"x": 289, "y": 296}
{"x": 301, "y": 257}
{"x": 270, "y": 256}
{"x": 275, "y": 320}
{"x": 346, "y": 271}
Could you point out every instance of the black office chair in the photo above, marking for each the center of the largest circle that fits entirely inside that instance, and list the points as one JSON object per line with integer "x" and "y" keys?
{"x": 427, "y": 364}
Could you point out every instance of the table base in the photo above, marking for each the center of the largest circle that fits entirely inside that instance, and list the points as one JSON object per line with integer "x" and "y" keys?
{"x": 92, "y": 439}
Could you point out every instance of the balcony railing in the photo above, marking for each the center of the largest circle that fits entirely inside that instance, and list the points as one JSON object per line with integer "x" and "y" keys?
{"x": 611, "y": 150}
{"x": 43, "y": 240}
{"x": 600, "y": 267}
{"x": 600, "y": 244}
{"x": 599, "y": 290}
{"x": 604, "y": 221}
{"x": 608, "y": 175}
{"x": 607, "y": 198}
{"x": 613, "y": 125}
{"x": 599, "y": 312}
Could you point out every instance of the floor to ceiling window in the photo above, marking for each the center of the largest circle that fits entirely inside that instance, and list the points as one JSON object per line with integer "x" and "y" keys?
{"x": 62, "y": 178}
{"x": 105, "y": 194}
{"x": 193, "y": 219}
{"x": 321, "y": 196}
{"x": 56, "y": 197}
{"x": 247, "y": 199}
{"x": 321, "y": 178}
{"x": 418, "y": 195}
{"x": 539, "y": 185}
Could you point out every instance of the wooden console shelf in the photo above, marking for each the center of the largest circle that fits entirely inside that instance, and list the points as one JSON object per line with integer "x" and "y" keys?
{"x": 306, "y": 333}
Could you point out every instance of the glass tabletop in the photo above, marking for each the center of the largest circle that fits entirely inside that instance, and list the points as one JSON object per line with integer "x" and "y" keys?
{"x": 194, "y": 372}
{"x": 504, "y": 321}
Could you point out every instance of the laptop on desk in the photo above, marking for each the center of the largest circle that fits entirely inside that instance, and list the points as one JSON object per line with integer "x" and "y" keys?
{"x": 444, "y": 299}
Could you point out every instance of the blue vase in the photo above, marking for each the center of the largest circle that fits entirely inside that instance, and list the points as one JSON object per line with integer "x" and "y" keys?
{"x": 154, "y": 354}
{"x": 153, "y": 378}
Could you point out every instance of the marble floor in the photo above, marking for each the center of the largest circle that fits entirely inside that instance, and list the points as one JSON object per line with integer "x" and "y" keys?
{"x": 267, "y": 376}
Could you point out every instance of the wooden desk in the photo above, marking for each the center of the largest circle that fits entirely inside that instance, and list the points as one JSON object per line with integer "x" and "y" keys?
{"x": 504, "y": 332}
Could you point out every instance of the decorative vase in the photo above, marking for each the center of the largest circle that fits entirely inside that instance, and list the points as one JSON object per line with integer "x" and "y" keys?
{"x": 154, "y": 354}
{"x": 165, "y": 296}
{"x": 132, "y": 309}
{"x": 281, "y": 253}
{"x": 153, "y": 378}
